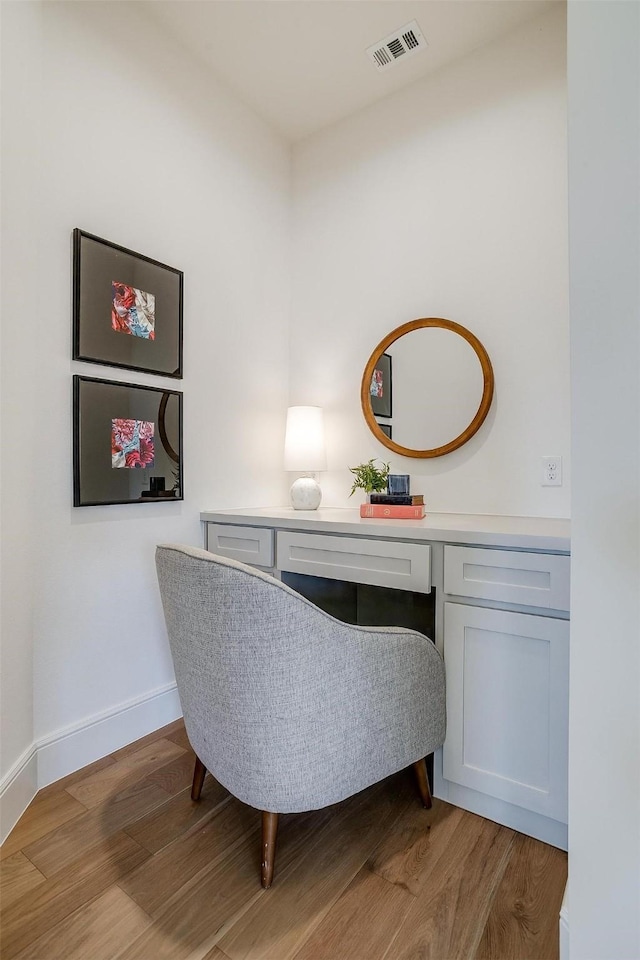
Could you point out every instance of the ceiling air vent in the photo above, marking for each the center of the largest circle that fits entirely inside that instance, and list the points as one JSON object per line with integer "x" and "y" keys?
{"x": 400, "y": 45}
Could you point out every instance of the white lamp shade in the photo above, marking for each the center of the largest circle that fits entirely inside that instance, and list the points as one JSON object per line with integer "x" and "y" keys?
{"x": 304, "y": 449}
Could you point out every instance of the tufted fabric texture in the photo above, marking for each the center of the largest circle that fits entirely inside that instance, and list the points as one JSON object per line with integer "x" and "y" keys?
{"x": 289, "y": 708}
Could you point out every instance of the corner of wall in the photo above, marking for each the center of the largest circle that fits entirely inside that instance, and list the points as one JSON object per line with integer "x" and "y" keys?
{"x": 17, "y": 790}
{"x": 72, "y": 748}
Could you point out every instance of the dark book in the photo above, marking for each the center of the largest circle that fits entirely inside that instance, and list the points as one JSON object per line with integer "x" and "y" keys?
{"x": 400, "y": 500}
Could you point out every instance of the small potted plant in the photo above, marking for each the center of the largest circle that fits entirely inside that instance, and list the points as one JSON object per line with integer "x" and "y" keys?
{"x": 369, "y": 478}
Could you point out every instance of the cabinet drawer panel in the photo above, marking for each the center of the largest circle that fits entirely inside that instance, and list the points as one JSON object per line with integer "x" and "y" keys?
{"x": 382, "y": 563}
{"x": 507, "y": 706}
{"x": 531, "y": 579}
{"x": 253, "y": 545}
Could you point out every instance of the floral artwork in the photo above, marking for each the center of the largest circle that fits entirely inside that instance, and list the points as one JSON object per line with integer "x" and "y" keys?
{"x": 377, "y": 386}
{"x": 132, "y": 443}
{"x": 132, "y": 311}
{"x": 127, "y": 310}
{"x": 380, "y": 387}
{"x": 144, "y": 425}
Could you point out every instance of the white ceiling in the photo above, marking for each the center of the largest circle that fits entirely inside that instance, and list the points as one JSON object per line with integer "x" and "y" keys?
{"x": 301, "y": 64}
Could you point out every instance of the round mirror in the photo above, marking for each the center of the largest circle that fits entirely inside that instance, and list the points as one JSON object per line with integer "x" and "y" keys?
{"x": 427, "y": 388}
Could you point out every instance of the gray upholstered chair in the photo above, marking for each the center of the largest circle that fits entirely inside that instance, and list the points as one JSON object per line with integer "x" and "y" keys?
{"x": 289, "y": 708}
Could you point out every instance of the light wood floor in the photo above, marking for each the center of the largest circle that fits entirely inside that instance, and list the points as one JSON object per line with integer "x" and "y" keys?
{"x": 116, "y": 861}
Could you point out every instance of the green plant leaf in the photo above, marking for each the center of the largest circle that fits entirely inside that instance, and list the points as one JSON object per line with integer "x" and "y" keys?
{"x": 369, "y": 478}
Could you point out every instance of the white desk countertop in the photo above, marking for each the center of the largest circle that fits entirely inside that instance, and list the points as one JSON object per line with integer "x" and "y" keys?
{"x": 523, "y": 533}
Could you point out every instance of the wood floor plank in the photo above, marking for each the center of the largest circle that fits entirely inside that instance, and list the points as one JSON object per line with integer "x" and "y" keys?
{"x": 524, "y": 919}
{"x": 18, "y": 876}
{"x": 52, "y": 901}
{"x": 95, "y": 931}
{"x": 408, "y": 854}
{"x": 177, "y": 817}
{"x": 188, "y": 924}
{"x": 175, "y": 776}
{"x": 332, "y": 858}
{"x": 163, "y": 733}
{"x": 94, "y": 829}
{"x": 448, "y": 917}
{"x": 44, "y": 814}
{"x": 95, "y": 789}
{"x": 157, "y": 880}
{"x": 362, "y": 923}
{"x": 59, "y": 785}
{"x": 180, "y": 737}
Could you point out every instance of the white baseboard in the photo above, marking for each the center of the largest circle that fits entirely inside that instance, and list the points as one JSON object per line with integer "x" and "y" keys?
{"x": 17, "y": 790}
{"x": 73, "y": 747}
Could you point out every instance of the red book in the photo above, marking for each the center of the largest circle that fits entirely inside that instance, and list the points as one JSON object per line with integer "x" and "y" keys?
{"x": 392, "y": 511}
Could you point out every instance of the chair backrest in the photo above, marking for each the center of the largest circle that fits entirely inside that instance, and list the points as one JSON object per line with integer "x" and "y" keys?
{"x": 252, "y": 660}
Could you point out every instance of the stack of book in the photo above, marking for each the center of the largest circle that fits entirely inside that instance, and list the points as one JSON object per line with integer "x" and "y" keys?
{"x": 394, "y": 506}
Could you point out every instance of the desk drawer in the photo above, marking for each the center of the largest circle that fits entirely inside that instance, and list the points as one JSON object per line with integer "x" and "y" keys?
{"x": 253, "y": 545}
{"x": 382, "y": 563}
{"x": 529, "y": 579}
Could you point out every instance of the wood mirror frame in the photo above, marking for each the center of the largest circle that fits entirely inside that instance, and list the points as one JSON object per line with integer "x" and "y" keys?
{"x": 485, "y": 402}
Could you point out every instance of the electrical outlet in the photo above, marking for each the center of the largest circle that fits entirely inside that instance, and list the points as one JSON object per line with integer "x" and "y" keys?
{"x": 551, "y": 472}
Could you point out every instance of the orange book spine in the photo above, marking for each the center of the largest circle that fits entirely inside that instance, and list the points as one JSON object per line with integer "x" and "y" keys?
{"x": 390, "y": 511}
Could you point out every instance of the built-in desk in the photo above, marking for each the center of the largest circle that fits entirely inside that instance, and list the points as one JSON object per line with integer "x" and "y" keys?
{"x": 500, "y": 591}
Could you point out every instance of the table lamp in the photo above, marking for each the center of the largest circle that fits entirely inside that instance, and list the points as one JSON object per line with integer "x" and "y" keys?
{"x": 304, "y": 452}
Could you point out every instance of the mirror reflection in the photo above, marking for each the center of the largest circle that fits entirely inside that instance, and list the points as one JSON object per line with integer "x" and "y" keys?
{"x": 427, "y": 388}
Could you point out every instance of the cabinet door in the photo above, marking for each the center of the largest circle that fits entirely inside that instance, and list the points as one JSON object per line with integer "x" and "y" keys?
{"x": 507, "y": 706}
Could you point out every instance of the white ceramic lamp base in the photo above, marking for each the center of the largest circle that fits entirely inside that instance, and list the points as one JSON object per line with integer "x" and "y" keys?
{"x": 305, "y": 494}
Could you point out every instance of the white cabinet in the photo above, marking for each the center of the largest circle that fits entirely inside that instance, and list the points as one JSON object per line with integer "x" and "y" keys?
{"x": 507, "y": 681}
{"x": 505, "y": 754}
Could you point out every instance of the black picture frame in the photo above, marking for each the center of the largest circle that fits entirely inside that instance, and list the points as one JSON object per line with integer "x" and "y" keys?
{"x": 381, "y": 388}
{"x": 127, "y": 308}
{"x": 387, "y": 429}
{"x": 127, "y": 443}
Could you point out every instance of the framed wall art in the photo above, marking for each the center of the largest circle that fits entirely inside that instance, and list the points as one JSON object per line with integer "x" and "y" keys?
{"x": 127, "y": 308}
{"x": 127, "y": 443}
{"x": 380, "y": 389}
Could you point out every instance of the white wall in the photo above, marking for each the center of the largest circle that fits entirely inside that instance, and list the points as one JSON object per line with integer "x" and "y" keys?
{"x": 137, "y": 145}
{"x": 447, "y": 199}
{"x": 20, "y": 226}
{"x": 604, "y": 741}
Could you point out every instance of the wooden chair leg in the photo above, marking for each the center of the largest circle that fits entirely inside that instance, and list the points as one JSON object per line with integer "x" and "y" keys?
{"x": 269, "y": 837}
{"x": 199, "y": 773}
{"x": 420, "y": 769}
